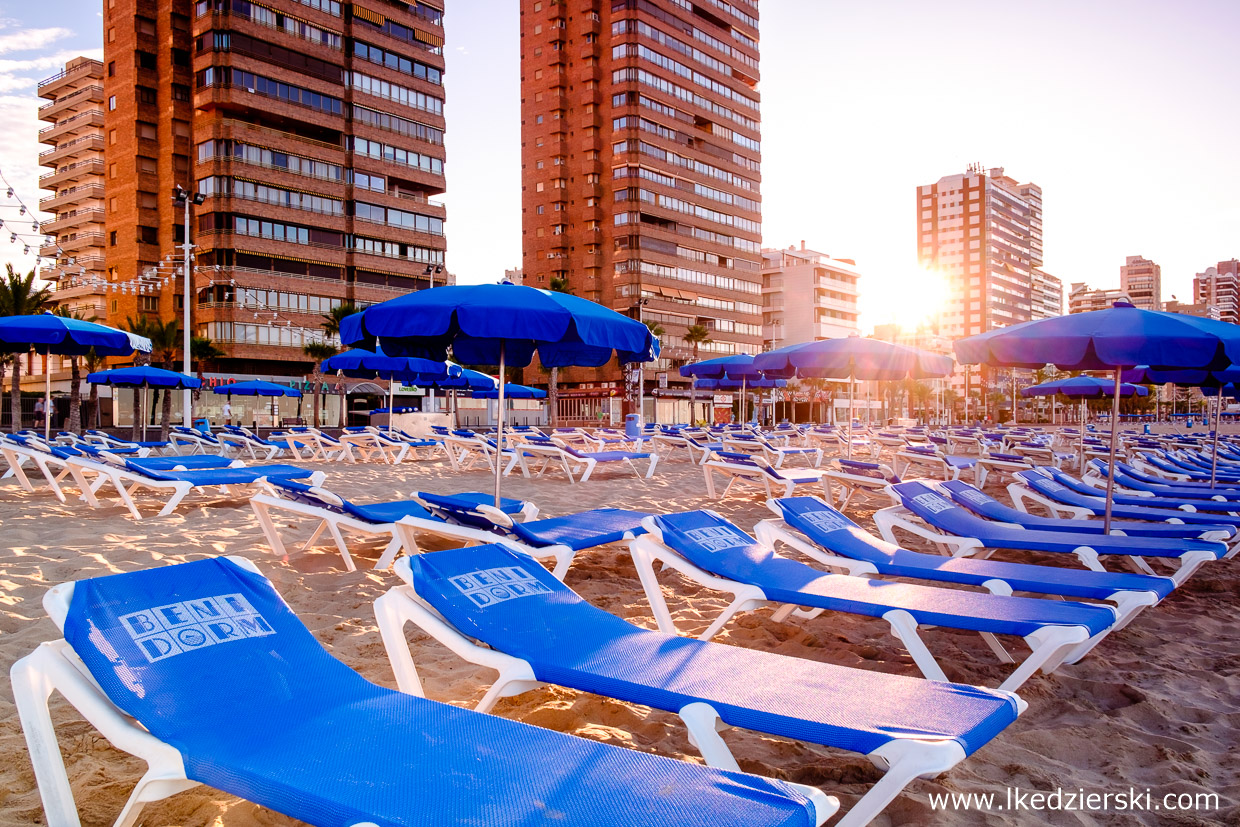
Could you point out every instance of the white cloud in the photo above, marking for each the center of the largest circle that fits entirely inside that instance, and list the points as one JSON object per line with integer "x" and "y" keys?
{"x": 29, "y": 40}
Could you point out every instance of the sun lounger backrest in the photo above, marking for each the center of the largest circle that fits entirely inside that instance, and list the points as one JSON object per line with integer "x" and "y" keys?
{"x": 208, "y": 658}
{"x": 939, "y": 511}
{"x": 866, "y": 469}
{"x": 830, "y": 529}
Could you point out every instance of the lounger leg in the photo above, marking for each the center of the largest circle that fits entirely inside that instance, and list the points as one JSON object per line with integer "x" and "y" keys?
{"x": 702, "y": 722}
{"x": 1050, "y": 645}
{"x": 341, "y": 545}
{"x": 178, "y": 494}
{"x": 710, "y": 483}
{"x": 904, "y": 627}
{"x": 1129, "y": 604}
{"x": 389, "y": 552}
{"x": 654, "y": 460}
{"x": 644, "y": 563}
{"x": 1189, "y": 563}
{"x": 995, "y": 646}
{"x": 905, "y": 761}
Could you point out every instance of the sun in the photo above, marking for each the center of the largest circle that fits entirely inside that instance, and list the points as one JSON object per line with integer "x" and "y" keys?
{"x": 909, "y": 298}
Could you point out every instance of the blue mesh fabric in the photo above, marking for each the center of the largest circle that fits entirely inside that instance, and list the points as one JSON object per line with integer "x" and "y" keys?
{"x": 833, "y": 531}
{"x": 223, "y": 476}
{"x": 517, "y": 607}
{"x": 583, "y": 530}
{"x": 266, "y": 714}
{"x": 1176, "y": 490}
{"x": 388, "y": 512}
{"x": 1068, "y": 489}
{"x": 168, "y": 463}
{"x": 1129, "y": 471}
{"x": 987, "y": 506}
{"x": 945, "y": 515}
{"x": 714, "y": 544}
{"x": 462, "y": 508}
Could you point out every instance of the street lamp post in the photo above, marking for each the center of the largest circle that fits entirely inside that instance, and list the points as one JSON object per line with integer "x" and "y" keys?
{"x": 180, "y": 196}
{"x": 641, "y": 370}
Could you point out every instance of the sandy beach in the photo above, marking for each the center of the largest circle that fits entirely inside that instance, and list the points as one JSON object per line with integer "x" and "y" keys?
{"x": 1156, "y": 706}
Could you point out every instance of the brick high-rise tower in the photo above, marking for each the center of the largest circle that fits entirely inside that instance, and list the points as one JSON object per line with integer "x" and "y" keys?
{"x": 641, "y": 172}
{"x": 315, "y": 130}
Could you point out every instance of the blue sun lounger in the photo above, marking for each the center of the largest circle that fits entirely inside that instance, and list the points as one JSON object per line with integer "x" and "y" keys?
{"x": 838, "y": 542}
{"x": 201, "y": 670}
{"x": 984, "y": 505}
{"x": 925, "y": 513}
{"x": 1049, "y": 486}
{"x": 539, "y": 631}
{"x": 1097, "y": 471}
{"x": 1228, "y": 491}
{"x": 709, "y": 550}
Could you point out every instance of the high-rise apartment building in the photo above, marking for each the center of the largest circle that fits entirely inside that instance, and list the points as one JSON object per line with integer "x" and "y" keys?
{"x": 314, "y": 129}
{"x": 1205, "y": 311}
{"x": 1082, "y": 298}
{"x": 1141, "y": 279}
{"x": 982, "y": 231}
{"x": 75, "y": 232}
{"x": 807, "y": 296}
{"x": 1046, "y": 297}
{"x": 641, "y": 169}
{"x": 1220, "y": 286}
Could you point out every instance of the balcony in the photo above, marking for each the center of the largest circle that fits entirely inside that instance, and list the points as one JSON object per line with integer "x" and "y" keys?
{"x": 71, "y": 78}
{"x": 73, "y": 195}
{"x": 91, "y": 119}
{"x": 71, "y": 149}
{"x": 71, "y": 102}
{"x": 71, "y": 173}
{"x": 72, "y": 244}
{"x": 73, "y": 218}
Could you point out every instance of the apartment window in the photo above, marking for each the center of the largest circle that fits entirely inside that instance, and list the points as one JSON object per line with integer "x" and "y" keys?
{"x": 180, "y": 57}
{"x": 541, "y": 209}
{"x": 144, "y": 25}
{"x": 539, "y": 187}
{"x": 144, "y": 60}
{"x": 148, "y": 235}
{"x": 146, "y": 131}
{"x": 148, "y": 304}
{"x": 539, "y": 165}
{"x": 180, "y": 92}
{"x": 111, "y": 68}
{"x": 538, "y": 119}
{"x": 146, "y": 164}
{"x": 112, "y": 239}
{"x": 145, "y": 94}
{"x": 111, "y": 102}
{"x": 112, "y": 205}
{"x": 111, "y": 35}
{"x": 111, "y": 170}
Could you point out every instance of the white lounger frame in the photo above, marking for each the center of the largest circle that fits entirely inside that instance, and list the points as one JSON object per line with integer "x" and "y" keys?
{"x": 1050, "y": 646}
{"x": 904, "y": 759}
{"x": 553, "y": 454}
{"x": 887, "y": 520}
{"x": 758, "y": 477}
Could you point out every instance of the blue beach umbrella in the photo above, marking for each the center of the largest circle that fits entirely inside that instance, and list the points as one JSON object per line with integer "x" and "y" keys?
{"x": 357, "y": 363}
{"x": 47, "y": 333}
{"x": 1117, "y": 338}
{"x": 853, "y": 358}
{"x": 145, "y": 377}
{"x": 500, "y": 324}
{"x": 257, "y": 387}
{"x": 1083, "y": 387}
{"x": 738, "y": 367}
{"x": 511, "y": 391}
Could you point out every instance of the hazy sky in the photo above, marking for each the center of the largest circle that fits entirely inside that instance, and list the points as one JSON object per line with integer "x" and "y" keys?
{"x": 1125, "y": 112}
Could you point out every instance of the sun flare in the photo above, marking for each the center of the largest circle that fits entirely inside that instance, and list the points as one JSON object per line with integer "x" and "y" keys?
{"x": 909, "y": 299}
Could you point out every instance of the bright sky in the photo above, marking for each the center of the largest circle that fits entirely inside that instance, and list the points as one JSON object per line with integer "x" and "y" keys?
{"x": 1124, "y": 111}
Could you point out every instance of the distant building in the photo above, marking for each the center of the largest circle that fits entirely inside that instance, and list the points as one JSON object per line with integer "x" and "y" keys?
{"x": 1046, "y": 296}
{"x": 983, "y": 231}
{"x": 1220, "y": 286}
{"x": 1141, "y": 279}
{"x": 923, "y": 338}
{"x": 1205, "y": 311}
{"x": 516, "y": 276}
{"x": 807, "y": 296}
{"x": 1082, "y": 298}
{"x": 75, "y": 232}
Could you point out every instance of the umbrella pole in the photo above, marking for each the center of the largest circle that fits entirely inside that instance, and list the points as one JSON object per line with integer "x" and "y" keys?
{"x": 1080, "y": 457}
{"x": 1218, "y": 416}
{"x": 744, "y": 418}
{"x": 47, "y": 397}
{"x": 499, "y": 431}
{"x": 852, "y": 390}
{"x": 146, "y": 388}
{"x": 1106, "y": 523}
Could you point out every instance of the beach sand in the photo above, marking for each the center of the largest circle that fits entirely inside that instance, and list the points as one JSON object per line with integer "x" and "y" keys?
{"x": 1155, "y": 706}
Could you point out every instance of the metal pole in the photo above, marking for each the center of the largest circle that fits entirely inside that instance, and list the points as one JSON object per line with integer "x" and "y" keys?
{"x": 1218, "y": 416}
{"x": 1106, "y": 520}
{"x": 1014, "y": 419}
{"x": 186, "y": 337}
{"x": 1080, "y": 458}
{"x": 744, "y": 380}
{"x": 852, "y": 390}
{"x": 499, "y": 430}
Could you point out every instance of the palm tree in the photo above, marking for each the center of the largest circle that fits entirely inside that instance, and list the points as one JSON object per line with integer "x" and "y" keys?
{"x": 94, "y": 362}
{"x": 317, "y": 352}
{"x": 331, "y": 326}
{"x": 697, "y": 335}
{"x": 165, "y": 342}
{"x": 19, "y": 297}
{"x": 202, "y": 349}
{"x": 75, "y": 374}
{"x": 142, "y": 326}
{"x": 6, "y": 359}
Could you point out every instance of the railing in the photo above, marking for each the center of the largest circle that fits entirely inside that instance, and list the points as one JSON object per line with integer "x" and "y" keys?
{"x": 89, "y": 64}
{"x": 94, "y": 87}
{"x": 242, "y": 160}
{"x": 97, "y": 189}
{"x": 87, "y": 114}
{"x": 94, "y": 162}
{"x": 416, "y": 196}
{"x": 292, "y": 135}
{"x": 280, "y": 274}
{"x": 74, "y": 142}
{"x": 316, "y": 244}
{"x": 85, "y": 211}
